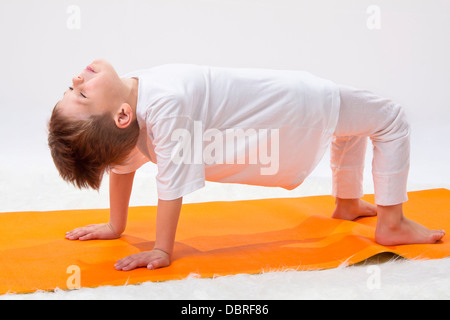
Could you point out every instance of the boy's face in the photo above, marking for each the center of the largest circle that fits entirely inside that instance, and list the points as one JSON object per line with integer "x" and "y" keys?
{"x": 96, "y": 90}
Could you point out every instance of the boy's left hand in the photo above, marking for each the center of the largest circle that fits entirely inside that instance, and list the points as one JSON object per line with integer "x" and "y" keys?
{"x": 150, "y": 259}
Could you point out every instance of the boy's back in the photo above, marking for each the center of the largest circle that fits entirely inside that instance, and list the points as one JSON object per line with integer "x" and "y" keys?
{"x": 281, "y": 113}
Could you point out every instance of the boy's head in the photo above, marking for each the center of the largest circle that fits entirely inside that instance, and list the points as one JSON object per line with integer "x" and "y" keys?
{"x": 93, "y": 126}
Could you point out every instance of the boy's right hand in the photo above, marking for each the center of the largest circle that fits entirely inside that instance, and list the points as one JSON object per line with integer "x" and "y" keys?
{"x": 102, "y": 231}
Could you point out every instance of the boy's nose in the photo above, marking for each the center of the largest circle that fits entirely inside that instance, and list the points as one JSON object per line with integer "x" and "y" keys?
{"x": 77, "y": 80}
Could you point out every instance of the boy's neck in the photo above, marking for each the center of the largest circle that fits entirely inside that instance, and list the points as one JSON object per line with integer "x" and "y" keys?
{"x": 131, "y": 87}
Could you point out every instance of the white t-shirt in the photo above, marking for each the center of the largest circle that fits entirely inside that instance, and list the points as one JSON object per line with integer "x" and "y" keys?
{"x": 249, "y": 126}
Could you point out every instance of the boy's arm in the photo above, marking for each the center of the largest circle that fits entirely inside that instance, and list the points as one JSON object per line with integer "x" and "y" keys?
{"x": 168, "y": 213}
{"x": 120, "y": 186}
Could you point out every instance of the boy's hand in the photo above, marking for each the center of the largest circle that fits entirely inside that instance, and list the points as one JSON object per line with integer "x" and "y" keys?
{"x": 150, "y": 259}
{"x": 102, "y": 231}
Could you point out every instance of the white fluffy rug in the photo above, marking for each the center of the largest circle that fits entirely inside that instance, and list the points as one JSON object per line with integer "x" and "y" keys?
{"x": 400, "y": 279}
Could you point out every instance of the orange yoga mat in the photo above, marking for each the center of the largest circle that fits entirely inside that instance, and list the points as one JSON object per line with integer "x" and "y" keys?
{"x": 213, "y": 239}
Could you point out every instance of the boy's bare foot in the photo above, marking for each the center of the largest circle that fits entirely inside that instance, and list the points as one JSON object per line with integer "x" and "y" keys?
{"x": 351, "y": 209}
{"x": 394, "y": 229}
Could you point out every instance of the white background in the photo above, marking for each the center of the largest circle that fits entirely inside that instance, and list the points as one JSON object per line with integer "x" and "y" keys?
{"x": 44, "y": 44}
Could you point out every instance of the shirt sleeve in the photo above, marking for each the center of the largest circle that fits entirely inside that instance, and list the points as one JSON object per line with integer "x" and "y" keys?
{"x": 178, "y": 150}
{"x": 134, "y": 161}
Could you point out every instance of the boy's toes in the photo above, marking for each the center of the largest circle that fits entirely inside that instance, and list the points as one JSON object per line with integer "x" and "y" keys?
{"x": 436, "y": 235}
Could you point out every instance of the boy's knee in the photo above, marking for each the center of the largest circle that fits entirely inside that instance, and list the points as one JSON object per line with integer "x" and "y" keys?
{"x": 398, "y": 125}
{"x": 403, "y": 121}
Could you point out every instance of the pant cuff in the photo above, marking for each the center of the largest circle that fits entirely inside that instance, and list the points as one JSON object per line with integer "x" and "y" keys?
{"x": 390, "y": 189}
{"x": 347, "y": 183}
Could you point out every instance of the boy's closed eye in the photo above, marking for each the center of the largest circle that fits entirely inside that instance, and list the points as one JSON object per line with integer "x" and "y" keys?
{"x": 80, "y": 92}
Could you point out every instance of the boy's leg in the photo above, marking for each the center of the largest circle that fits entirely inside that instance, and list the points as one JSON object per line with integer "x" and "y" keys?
{"x": 347, "y": 165}
{"x": 364, "y": 114}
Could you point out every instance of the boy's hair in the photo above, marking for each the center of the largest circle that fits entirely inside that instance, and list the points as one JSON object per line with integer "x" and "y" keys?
{"x": 83, "y": 150}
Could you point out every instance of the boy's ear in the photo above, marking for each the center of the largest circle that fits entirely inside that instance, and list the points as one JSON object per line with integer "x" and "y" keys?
{"x": 124, "y": 116}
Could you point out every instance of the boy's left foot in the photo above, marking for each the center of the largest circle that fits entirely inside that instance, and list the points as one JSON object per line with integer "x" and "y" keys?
{"x": 393, "y": 228}
{"x": 407, "y": 232}
{"x": 351, "y": 209}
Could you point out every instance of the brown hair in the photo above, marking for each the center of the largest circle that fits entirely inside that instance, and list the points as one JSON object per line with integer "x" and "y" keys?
{"x": 83, "y": 150}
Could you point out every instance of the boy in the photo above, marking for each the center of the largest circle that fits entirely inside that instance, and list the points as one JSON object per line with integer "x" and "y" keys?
{"x": 107, "y": 123}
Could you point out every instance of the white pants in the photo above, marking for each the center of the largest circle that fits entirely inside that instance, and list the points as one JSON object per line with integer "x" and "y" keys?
{"x": 365, "y": 115}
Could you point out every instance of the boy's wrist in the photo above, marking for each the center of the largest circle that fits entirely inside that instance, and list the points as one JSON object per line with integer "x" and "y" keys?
{"x": 163, "y": 251}
{"x": 113, "y": 229}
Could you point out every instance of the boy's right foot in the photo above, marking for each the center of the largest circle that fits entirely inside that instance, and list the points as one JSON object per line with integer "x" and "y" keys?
{"x": 351, "y": 209}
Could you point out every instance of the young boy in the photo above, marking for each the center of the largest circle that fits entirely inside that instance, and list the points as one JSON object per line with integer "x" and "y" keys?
{"x": 185, "y": 118}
